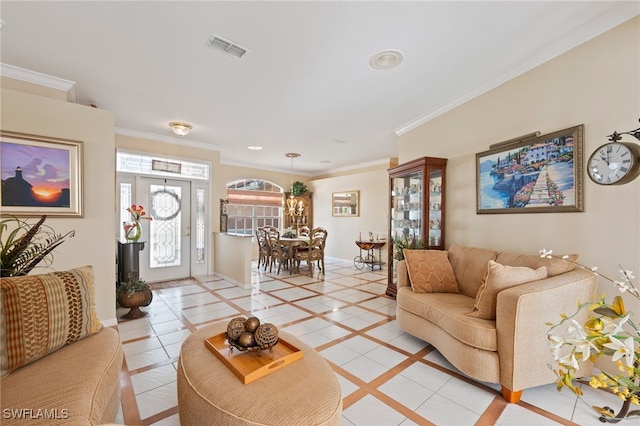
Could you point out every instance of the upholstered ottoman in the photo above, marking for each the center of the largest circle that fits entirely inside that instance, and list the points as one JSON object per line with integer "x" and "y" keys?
{"x": 303, "y": 393}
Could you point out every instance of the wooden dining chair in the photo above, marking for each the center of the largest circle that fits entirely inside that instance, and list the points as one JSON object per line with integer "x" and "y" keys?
{"x": 304, "y": 231}
{"x": 264, "y": 254}
{"x": 278, "y": 253}
{"x": 314, "y": 251}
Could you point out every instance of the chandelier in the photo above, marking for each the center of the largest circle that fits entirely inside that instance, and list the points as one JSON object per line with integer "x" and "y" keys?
{"x": 295, "y": 208}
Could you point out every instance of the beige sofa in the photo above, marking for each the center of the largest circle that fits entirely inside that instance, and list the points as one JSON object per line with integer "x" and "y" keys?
{"x": 59, "y": 365}
{"x": 511, "y": 349}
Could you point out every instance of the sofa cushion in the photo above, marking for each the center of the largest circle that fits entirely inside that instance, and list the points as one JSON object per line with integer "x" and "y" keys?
{"x": 498, "y": 278}
{"x": 430, "y": 271}
{"x": 469, "y": 266}
{"x": 555, "y": 266}
{"x": 80, "y": 383}
{"x": 42, "y": 313}
{"x": 449, "y": 312}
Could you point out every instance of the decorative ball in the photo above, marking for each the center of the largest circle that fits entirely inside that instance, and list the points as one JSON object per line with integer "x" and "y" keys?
{"x": 235, "y": 328}
{"x": 266, "y": 335}
{"x": 252, "y": 324}
{"x": 246, "y": 339}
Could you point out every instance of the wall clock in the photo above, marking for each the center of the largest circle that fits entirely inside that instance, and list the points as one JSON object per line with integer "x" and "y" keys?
{"x": 614, "y": 163}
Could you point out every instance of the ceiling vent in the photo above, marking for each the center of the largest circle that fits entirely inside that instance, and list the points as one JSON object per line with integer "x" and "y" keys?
{"x": 230, "y": 48}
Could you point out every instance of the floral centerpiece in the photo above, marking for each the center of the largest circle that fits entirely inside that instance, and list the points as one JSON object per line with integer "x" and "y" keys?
{"x": 132, "y": 229}
{"x": 608, "y": 332}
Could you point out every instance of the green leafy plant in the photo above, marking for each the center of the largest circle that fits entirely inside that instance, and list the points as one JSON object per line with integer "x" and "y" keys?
{"x": 298, "y": 188}
{"x": 406, "y": 242}
{"x": 24, "y": 245}
{"x": 133, "y": 285}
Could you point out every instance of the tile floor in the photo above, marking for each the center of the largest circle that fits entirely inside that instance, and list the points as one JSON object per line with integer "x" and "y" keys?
{"x": 387, "y": 376}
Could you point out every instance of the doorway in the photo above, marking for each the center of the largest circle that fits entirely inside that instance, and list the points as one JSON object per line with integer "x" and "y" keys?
{"x": 175, "y": 240}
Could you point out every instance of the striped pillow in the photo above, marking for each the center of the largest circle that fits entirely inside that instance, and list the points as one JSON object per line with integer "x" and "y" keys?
{"x": 42, "y": 313}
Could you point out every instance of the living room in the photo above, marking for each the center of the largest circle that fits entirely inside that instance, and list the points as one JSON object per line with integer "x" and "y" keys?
{"x": 595, "y": 84}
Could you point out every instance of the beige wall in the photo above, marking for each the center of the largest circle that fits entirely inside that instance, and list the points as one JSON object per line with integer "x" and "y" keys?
{"x": 596, "y": 84}
{"x": 344, "y": 231}
{"x": 93, "y": 243}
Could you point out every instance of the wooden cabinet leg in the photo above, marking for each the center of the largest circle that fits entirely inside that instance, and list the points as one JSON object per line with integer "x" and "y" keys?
{"x": 511, "y": 396}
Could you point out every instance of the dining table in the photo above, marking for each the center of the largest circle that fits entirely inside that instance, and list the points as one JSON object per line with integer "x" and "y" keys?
{"x": 293, "y": 243}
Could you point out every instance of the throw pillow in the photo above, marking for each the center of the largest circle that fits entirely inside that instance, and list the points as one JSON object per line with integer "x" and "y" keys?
{"x": 555, "y": 265}
{"x": 430, "y": 271}
{"x": 42, "y": 313}
{"x": 498, "y": 278}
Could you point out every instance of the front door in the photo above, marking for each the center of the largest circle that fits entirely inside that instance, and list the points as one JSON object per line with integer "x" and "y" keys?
{"x": 167, "y": 254}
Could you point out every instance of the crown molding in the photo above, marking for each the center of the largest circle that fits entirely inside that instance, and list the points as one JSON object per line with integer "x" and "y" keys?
{"x": 604, "y": 22}
{"x": 41, "y": 79}
{"x": 167, "y": 139}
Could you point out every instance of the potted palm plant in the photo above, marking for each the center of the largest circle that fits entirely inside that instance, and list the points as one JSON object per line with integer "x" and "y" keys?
{"x": 133, "y": 294}
{"x": 24, "y": 246}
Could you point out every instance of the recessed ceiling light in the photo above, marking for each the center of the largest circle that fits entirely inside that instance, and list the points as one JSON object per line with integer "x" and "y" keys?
{"x": 386, "y": 59}
{"x": 254, "y": 148}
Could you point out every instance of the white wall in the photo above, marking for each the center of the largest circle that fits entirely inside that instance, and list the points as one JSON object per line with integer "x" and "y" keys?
{"x": 596, "y": 84}
{"x": 93, "y": 243}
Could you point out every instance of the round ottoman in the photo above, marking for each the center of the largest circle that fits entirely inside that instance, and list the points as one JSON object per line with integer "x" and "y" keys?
{"x": 303, "y": 393}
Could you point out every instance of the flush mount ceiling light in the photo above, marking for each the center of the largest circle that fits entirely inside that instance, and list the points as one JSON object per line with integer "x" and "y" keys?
{"x": 386, "y": 59}
{"x": 180, "y": 128}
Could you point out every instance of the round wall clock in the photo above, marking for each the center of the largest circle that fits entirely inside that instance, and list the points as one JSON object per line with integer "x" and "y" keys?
{"x": 614, "y": 163}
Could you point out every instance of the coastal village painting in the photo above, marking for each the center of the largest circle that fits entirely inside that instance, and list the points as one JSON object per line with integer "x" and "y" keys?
{"x": 39, "y": 177}
{"x": 542, "y": 174}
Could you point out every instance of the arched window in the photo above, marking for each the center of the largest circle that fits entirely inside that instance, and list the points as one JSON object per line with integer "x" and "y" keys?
{"x": 252, "y": 203}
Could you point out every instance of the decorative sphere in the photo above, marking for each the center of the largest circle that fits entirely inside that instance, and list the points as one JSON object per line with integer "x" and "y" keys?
{"x": 235, "y": 328}
{"x": 252, "y": 324}
{"x": 246, "y": 339}
{"x": 266, "y": 335}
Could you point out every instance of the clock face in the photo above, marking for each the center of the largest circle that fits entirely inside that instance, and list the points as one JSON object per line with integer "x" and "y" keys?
{"x": 612, "y": 163}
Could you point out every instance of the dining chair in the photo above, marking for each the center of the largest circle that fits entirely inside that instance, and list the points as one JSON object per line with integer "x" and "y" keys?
{"x": 314, "y": 251}
{"x": 264, "y": 255}
{"x": 278, "y": 253}
{"x": 304, "y": 231}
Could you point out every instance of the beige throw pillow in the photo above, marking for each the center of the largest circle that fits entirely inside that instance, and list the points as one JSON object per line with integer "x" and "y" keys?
{"x": 498, "y": 278}
{"x": 41, "y": 313}
{"x": 430, "y": 271}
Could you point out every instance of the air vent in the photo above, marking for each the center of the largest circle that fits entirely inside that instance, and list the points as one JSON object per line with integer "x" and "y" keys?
{"x": 222, "y": 45}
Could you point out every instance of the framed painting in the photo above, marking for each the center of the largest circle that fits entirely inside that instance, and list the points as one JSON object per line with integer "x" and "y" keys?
{"x": 345, "y": 203}
{"x": 40, "y": 175}
{"x": 538, "y": 175}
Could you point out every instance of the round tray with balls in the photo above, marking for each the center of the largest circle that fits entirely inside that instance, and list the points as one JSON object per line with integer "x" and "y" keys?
{"x": 249, "y": 335}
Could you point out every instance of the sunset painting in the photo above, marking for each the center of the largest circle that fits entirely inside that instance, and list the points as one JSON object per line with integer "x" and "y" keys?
{"x": 34, "y": 176}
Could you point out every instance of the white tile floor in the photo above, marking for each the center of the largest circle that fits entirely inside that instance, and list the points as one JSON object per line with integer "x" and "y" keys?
{"x": 387, "y": 376}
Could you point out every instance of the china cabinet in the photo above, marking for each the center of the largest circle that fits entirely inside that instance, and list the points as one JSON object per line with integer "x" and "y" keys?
{"x": 417, "y": 210}
{"x": 303, "y": 214}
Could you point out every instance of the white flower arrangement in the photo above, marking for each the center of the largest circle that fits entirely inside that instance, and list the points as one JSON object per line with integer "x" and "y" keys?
{"x": 609, "y": 332}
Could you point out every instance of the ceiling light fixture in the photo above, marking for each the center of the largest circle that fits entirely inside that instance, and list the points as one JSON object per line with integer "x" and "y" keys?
{"x": 254, "y": 148}
{"x": 386, "y": 59}
{"x": 180, "y": 128}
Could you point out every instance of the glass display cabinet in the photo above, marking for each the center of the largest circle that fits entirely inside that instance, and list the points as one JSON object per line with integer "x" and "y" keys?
{"x": 417, "y": 204}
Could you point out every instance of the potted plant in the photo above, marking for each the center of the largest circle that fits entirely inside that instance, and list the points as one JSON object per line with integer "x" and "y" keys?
{"x": 298, "y": 188}
{"x": 23, "y": 245}
{"x": 133, "y": 294}
{"x": 406, "y": 242}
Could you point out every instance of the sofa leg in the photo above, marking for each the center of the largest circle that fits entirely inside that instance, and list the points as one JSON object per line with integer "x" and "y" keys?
{"x": 511, "y": 396}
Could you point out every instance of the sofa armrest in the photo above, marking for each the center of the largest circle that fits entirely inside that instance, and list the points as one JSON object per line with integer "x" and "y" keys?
{"x": 521, "y": 316}
{"x": 403, "y": 275}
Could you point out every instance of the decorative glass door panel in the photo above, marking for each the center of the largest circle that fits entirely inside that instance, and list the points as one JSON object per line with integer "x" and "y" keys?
{"x": 167, "y": 255}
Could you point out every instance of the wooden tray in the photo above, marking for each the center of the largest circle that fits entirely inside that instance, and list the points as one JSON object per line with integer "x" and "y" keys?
{"x": 248, "y": 366}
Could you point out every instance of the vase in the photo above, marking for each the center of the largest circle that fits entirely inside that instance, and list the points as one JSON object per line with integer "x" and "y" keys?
{"x": 132, "y": 231}
{"x": 137, "y": 299}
